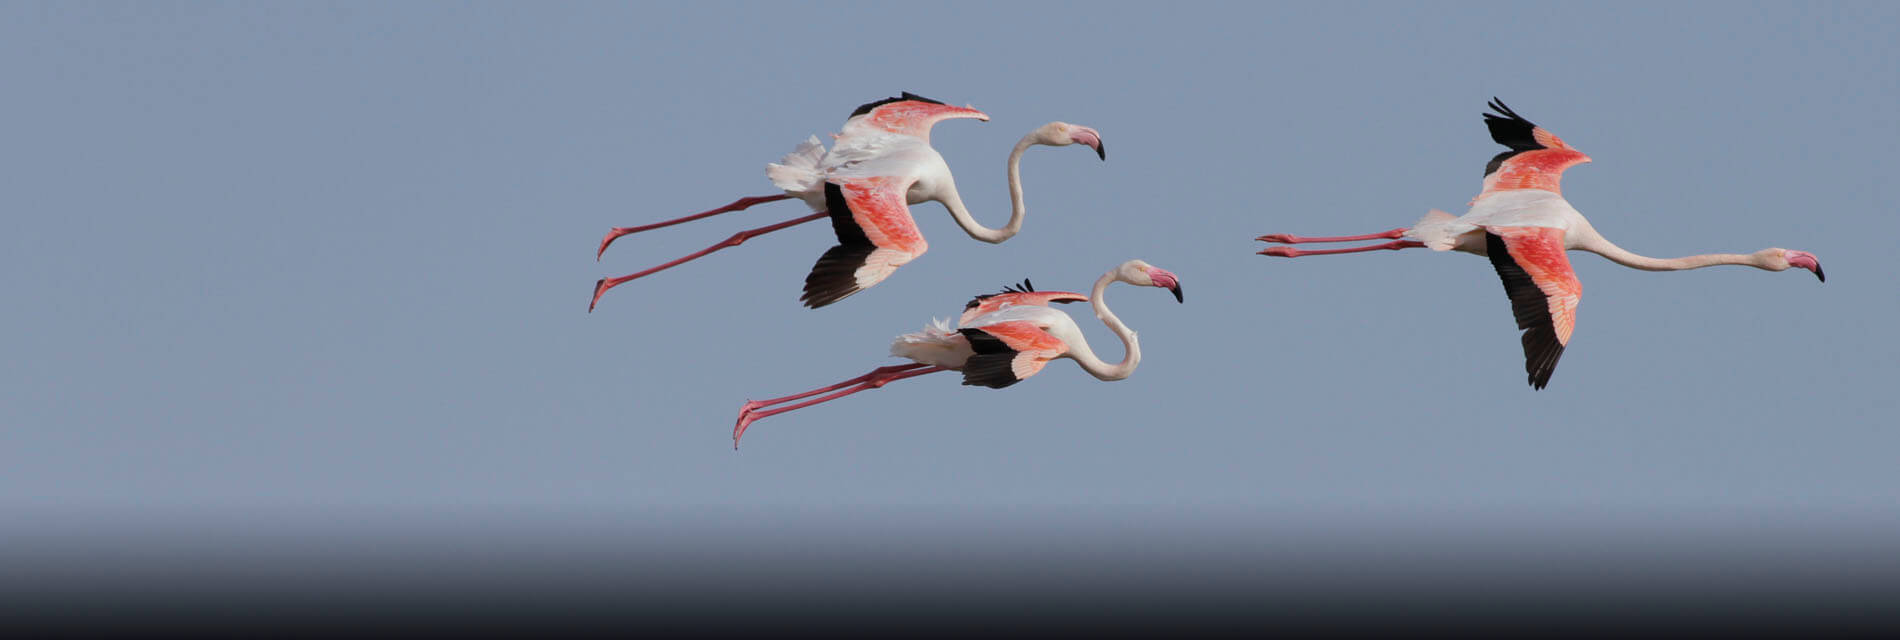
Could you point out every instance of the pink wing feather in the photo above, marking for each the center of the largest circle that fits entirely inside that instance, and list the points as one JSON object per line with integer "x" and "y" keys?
{"x": 1544, "y": 292}
{"x": 993, "y": 302}
{"x": 1028, "y": 348}
{"x": 876, "y": 235}
{"x": 909, "y": 115}
{"x": 1537, "y": 158}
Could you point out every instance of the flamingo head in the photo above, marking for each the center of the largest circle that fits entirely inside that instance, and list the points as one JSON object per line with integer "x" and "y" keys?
{"x": 1062, "y": 134}
{"x": 1140, "y": 273}
{"x": 1789, "y": 258}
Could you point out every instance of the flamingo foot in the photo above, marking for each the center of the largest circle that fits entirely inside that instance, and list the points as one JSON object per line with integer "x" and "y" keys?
{"x": 600, "y": 288}
{"x": 745, "y": 420}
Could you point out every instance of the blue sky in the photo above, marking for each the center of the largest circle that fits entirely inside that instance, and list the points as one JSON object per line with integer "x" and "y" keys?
{"x": 325, "y": 257}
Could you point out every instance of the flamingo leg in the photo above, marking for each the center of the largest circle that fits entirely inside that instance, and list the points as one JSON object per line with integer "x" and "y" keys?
{"x": 755, "y": 404}
{"x": 1288, "y": 238}
{"x": 1290, "y": 252}
{"x": 601, "y": 287}
{"x": 737, "y": 205}
{"x": 876, "y": 378}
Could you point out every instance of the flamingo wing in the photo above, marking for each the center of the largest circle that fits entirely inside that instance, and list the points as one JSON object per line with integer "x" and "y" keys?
{"x": 876, "y": 235}
{"x": 1008, "y": 352}
{"x": 1544, "y": 292}
{"x": 1537, "y": 158}
{"x": 1015, "y": 295}
{"x": 909, "y": 114}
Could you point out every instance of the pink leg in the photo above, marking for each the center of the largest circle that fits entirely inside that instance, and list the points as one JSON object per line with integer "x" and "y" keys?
{"x": 604, "y": 284}
{"x": 1288, "y": 238}
{"x": 876, "y": 378}
{"x": 1290, "y": 252}
{"x": 755, "y": 404}
{"x": 737, "y": 205}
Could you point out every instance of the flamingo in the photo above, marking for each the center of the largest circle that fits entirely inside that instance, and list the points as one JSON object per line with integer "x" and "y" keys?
{"x": 876, "y": 168}
{"x": 1521, "y": 221}
{"x": 1003, "y": 339}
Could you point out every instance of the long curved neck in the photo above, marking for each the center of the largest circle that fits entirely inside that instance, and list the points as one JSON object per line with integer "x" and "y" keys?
{"x": 1086, "y": 357}
{"x": 1598, "y": 245}
{"x": 1017, "y": 209}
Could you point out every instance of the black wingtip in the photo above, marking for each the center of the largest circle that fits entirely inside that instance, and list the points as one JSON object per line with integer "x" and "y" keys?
{"x": 1020, "y": 287}
{"x": 991, "y": 366}
{"x": 833, "y": 277}
{"x": 1504, "y": 112}
{"x": 1511, "y": 130}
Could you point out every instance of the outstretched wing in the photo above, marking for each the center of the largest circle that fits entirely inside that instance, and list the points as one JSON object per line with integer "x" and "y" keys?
{"x": 1544, "y": 292}
{"x": 876, "y": 235}
{"x": 1015, "y": 295}
{"x": 1008, "y": 353}
{"x": 909, "y": 114}
{"x": 1537, "y": 158}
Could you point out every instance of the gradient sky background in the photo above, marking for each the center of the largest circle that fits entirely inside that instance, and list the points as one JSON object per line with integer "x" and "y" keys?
{"x": 334, "y": 258}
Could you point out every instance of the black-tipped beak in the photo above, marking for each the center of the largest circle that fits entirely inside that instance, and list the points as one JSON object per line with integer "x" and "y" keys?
{"x": 1177, "y": 293}
{"x": 1101, "y": 150}
{"x": 1818, "y": 273}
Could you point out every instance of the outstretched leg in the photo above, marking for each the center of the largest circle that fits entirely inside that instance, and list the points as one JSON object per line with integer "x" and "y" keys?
{"x": 876, "y": 378}
{"x": 1288, "y": 238}
{"x": 604, "y": 284}
{"x": 737, "y": 205}
{"x": 880, "y": 371}
{"x": 1290, "y": 252}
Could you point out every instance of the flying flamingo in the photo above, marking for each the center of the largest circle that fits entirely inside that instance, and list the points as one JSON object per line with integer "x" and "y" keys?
{"x": 876, "y": 168}
{"x": 1523, "y": 224}
{"x": 1004, "y": 338}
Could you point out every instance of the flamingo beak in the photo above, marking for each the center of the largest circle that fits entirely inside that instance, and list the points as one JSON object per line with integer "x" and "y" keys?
{"x": 1166, "y": 280}
{"x": 1805, "y": 260}
{"x": 1091, "y": 138}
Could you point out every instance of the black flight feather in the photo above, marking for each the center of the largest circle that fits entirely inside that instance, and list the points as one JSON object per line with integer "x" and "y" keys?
{"x": 1025, "y": 287}
{"x": 834, "y": 276}
{"x": 1510, "y": 130}
{"x": 990, "y": 367}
